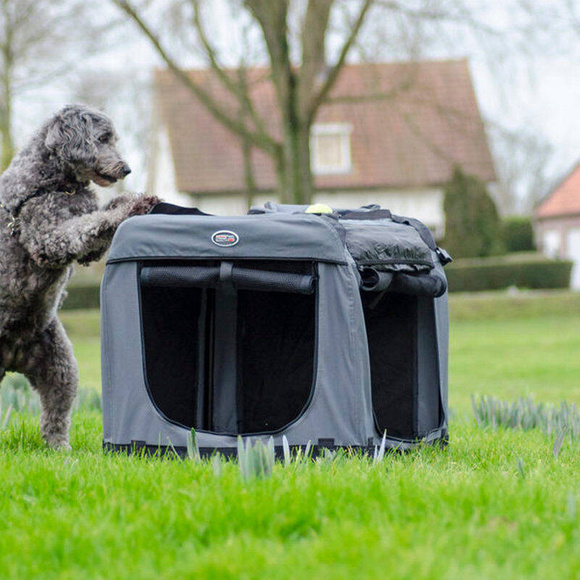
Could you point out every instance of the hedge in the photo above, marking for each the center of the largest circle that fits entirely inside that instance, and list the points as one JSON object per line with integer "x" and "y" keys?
{"x": 473, "y": 227}
{"x": 523, "y": 270}
{"x": 518, "y": 234}
{"x": 82, "y": 297}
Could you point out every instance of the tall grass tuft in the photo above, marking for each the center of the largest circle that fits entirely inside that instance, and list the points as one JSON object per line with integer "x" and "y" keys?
{"x": 193, "y": 446}
{"x": 5, "y": 417}
{"x": 524, "y": 413}
{"x": 256, "y": 460}
{"x": 17, "y": 394}
{"x": 379, "y": 452}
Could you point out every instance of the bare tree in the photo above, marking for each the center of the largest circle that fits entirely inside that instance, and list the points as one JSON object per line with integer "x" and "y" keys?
{"x": 34, "y": 38}
{"x": 524, "y": 160}
{"x": 300, "y": 89}
{"x": 305, "y": 44}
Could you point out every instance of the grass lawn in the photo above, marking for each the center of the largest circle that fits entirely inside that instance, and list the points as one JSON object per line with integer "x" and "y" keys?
{"x": 494, "y": 504}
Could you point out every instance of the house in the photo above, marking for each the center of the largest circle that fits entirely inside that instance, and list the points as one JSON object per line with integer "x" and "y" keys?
{"x": 557, "y": 221}
{"x": 389, "y": 134}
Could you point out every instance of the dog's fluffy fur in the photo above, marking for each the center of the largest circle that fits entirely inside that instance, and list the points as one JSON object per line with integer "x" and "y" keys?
{"x": 61, "y": 225}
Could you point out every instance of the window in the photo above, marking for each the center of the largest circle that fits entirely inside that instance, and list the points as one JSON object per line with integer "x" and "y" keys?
{"x": 330, "y": 148}
{"x": 552, "y": 243}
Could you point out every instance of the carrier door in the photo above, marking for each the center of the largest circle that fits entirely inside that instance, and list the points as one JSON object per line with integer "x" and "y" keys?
{"x": 403, "y": 352}
{"x": 229, "y": 346}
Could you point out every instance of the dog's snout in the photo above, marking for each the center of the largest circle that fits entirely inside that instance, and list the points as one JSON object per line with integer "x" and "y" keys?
{"x": 125, "y": 170}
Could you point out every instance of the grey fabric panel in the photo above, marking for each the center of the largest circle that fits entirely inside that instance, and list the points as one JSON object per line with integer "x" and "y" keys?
{"x": 127, "y": 411}
{"x": 225, "y": 366}
{"x": 275, "y": 236}
{"x": 442, "y": 325}
{"x": 341, "y": 404}
{"x": 387, "y": 246}
{"x": 428, "y": 388}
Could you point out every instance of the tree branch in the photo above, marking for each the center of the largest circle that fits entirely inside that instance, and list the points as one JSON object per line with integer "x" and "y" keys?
{"x": 263, "y": 142}
{"x": 313, "y": 49}
{"x": 272, "y": 16}
{"x": 238, "y": 90}
{"x": 322, "y": 93}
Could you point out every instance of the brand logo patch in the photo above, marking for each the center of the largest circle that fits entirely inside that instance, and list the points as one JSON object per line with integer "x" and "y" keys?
{"x": 225, "y": 238}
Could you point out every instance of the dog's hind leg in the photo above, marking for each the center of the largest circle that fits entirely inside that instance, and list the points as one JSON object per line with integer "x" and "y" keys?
{"x": 52, "y": 370}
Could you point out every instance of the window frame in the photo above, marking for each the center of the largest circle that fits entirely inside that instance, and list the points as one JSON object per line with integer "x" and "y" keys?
{"x": 343, "y": 132}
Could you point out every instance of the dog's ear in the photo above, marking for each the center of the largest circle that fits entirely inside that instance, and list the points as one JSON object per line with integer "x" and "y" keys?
{"x": 68, "y": 135}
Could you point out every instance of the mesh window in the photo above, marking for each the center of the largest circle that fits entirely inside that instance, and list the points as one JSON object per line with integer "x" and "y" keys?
{"x": 392, "y": 337}
{"x": 227, "y": 360}
{"x": 170, "y": 320}
{"x": 276, "y": 358}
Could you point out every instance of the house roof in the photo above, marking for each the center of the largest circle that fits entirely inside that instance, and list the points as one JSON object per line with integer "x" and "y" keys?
{"x": 564, "y": 199}
{"x": 411, "y": 124}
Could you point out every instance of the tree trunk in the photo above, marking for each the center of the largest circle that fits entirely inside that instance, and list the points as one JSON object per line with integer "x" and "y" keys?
{"x": 249, "y": 180}
{"x": 6, "y": 108}
{"x": 300, "y": 186}
{"x": 7, "y": 141}
{"x": 292, "y": 165}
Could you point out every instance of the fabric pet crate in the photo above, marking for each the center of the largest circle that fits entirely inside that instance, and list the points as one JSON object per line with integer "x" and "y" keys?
{"x": 329, "y": 328}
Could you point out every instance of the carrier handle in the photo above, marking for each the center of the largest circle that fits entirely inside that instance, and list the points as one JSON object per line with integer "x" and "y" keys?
{"x": 431, "y": 284}
{"x": 241, "y": 278}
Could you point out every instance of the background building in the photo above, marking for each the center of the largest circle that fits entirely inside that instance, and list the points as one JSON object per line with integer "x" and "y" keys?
{"x": 388, "y": 134}
{"x": 558, "y": 223}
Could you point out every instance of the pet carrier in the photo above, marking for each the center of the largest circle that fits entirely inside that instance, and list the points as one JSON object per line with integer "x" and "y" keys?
{"x": 331, "y": 329}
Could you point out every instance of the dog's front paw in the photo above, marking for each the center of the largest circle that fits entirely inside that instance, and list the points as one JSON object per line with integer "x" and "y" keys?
{"x": 119, "y": 201}
{"x": 41, "y": 259}
{"x": 143, "y": 204}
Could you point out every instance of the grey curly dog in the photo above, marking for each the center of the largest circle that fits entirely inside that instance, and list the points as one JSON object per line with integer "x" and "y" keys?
{"x": 50, "y": 219}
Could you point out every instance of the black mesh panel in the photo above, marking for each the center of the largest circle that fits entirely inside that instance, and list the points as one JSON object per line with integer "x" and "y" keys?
{"x": 276, "y": 348}
{"x": 391, "y": 328}
{"x": 272, "y": 353}
{"x": 170, "y": 329}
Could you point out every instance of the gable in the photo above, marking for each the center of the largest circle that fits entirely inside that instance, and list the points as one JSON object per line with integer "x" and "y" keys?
{"x": 564, "y": 199}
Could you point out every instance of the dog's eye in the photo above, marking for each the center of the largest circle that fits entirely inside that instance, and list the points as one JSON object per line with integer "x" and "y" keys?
{"x": 105, "y": 138}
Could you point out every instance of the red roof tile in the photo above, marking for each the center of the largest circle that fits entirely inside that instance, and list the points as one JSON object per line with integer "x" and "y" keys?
{"x": 564, "y": 199}
{"x": 411, "y": 123}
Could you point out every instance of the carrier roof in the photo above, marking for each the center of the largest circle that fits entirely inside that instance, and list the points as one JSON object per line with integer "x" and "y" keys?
{"x": 272, "y": 236}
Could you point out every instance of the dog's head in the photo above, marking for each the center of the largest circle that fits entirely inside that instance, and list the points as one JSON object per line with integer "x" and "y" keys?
{"x": 84, "y": 139}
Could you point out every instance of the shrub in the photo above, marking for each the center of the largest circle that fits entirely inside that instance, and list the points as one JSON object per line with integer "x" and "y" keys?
{"x": 82, "y": 297}
{"x": 472, "y": 223}
{"x": 18, "y": 396}
{"x": 518, "y": 234}
{"x": 526, "y": 414}
{"x": 532, "y": 270}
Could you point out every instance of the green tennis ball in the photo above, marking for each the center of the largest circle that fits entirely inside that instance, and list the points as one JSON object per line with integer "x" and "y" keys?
{"x": 318, "y": 208}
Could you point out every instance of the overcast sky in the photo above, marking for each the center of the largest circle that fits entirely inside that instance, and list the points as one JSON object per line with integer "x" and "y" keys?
{"x": 543, "y": 97}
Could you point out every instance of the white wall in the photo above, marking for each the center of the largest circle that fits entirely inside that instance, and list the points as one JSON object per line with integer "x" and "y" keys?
{"x": 573, "y": 253}
{"x": 423, "y": 204}
{"x": 161, "y": 179}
